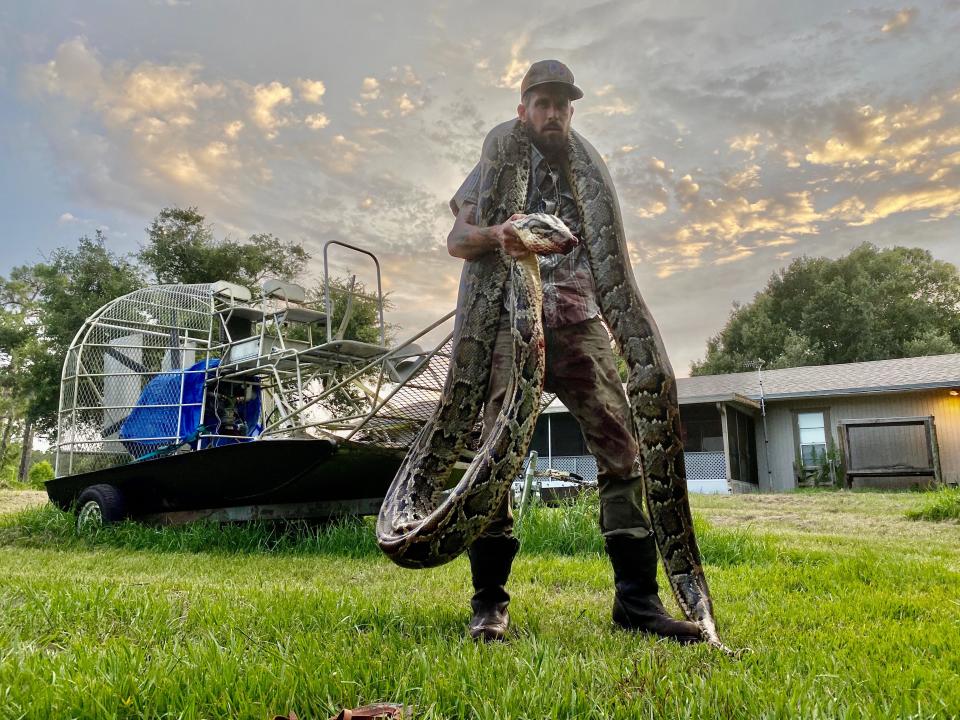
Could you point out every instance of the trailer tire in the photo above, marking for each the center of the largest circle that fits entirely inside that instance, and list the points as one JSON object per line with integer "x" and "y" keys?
{"x": 99, "y": 505}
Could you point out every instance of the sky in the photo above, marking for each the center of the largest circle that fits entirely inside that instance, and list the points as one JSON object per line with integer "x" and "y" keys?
{"x": 740, "y": 134}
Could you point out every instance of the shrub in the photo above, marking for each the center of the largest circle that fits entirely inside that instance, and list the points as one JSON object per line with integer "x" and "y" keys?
{"x": 39, "y": 473}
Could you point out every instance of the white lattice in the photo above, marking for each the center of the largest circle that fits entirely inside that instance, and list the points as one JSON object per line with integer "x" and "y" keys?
{"x": 705, "y": 465}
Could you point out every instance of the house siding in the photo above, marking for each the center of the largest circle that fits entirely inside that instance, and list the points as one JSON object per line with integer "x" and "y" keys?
{"x": 782, "y": 449}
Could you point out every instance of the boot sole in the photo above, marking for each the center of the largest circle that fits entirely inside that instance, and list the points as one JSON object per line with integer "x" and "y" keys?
{"x": 488, "y": 636}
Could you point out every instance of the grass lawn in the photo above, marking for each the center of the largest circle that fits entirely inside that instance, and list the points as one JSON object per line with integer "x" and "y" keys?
{"x": 849, "y": 608}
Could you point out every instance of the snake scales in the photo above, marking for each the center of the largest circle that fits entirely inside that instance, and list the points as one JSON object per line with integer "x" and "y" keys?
{"x": 419, "y": 525}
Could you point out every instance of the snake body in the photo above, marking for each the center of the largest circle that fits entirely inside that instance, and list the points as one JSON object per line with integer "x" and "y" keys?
{"x": 418, "y": 525}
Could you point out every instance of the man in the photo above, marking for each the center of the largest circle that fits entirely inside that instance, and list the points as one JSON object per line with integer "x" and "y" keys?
{"x": 580, "y": 369}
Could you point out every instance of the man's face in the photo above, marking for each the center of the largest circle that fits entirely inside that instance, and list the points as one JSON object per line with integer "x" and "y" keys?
{"x": 547, "y": 114}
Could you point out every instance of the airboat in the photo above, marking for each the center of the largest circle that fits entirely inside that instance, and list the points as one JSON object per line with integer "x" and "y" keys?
{"x": 184, "y": 402}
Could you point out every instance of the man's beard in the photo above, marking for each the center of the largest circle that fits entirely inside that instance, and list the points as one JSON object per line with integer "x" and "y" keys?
{"x": 553, "y": 145}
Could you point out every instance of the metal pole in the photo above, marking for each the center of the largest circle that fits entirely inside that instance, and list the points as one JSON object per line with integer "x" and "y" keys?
{"x": 549, "y": 441}
{"x": 763, "y": 415}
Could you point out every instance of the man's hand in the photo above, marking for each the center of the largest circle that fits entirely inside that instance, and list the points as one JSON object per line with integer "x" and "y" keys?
{"x": 508, "y": 238}
{"x": 470, "y": 242}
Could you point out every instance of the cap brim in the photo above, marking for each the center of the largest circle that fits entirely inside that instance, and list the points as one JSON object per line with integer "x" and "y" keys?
{"x": 573, "y": 91}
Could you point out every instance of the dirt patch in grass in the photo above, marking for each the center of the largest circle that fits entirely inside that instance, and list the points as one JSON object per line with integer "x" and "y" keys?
{"x": 14, "y": 500}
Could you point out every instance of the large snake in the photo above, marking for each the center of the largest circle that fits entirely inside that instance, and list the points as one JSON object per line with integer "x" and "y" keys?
{"x": 419, "y": 525}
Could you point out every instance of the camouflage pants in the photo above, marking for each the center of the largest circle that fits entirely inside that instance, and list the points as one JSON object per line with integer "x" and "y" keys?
{"x": 582, "y": 372}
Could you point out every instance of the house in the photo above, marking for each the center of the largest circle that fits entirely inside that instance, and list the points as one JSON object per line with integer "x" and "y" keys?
{"x": 888, "y": 423}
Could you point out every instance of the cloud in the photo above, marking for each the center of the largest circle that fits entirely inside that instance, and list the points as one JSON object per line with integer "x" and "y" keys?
{"x": 793, "y": 213}
{"x": 405, "y": 104}
{"x": 316, "y": 121}
{"x": 748, "y": 177}
{"x": 517, "y": 66}
{"x": 900, "y": 21}
{"x": 399, "y": 92}
{"x": 311, "y": 91}
{"x": 153, "y": 89}
{"x": 233, "y": 128}
{"x": 370, "y": 88}
{"x": 938, "y": 202}
{"x": 121, "y": 131}
{"x": 167, "y": 93}
{"x": 266, "y": 99}
{"x": 746, "y": 143}
{"x": 612, "y": 106}
{"x": 404, "y": 75}
{"x": 66, "y": 218}
{"x": 687, "y": 190}
{"x": 738, "y": 254}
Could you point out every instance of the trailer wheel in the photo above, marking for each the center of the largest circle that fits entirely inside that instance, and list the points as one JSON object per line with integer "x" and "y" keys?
{"x": 97, "y": 506}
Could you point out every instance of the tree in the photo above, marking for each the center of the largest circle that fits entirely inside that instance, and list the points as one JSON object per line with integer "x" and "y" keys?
{"x": 44, "y": 305}
{"x": 73, "y": 285}
{"x": 181, "y": 248}
{"x": 364, "y": 321}
{"x": 872, "y": 304}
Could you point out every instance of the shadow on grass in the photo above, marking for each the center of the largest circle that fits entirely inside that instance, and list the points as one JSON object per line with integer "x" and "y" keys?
{"x": 570, "y": 529}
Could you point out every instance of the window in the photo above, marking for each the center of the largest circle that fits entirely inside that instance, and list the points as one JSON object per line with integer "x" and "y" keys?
{"x": 812, "y": 436}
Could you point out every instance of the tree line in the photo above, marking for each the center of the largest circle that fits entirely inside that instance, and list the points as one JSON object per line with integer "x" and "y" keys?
{"x": 872, "y": 304}
{"x": 43, "y": 305}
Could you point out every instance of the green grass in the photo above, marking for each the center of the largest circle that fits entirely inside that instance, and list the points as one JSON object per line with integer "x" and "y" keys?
{"x": 942, "y": 504}
{"x": 850, "y": 611}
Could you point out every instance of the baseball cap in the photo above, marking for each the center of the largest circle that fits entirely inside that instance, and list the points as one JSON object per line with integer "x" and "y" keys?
{"x": 550, "y": 71}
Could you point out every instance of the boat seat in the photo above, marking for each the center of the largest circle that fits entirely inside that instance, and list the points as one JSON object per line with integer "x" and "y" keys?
{"x": 230, "y": 291}
{"x": 404, "y": 364}
{"x": 297, "y": 314}
{"x": 291, "y": 292}
{"x": 293, "y": 296}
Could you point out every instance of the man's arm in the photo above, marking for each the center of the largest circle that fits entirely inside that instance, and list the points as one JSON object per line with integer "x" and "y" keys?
{"x": 469, "y": 242}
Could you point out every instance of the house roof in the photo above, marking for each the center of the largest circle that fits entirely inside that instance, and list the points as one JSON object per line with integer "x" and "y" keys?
{"x": 898, "y": 375}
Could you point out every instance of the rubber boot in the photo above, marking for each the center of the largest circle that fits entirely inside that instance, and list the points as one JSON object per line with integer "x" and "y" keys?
{"x": 636, "y": 604}
{"x": 490, "y": 561}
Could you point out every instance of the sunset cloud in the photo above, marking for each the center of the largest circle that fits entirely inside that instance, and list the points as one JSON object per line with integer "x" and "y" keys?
{"x": 935, "y": 202}
{"x": 316, "y": 121}
{"x": 900, "y": 20}
{"x": 267, "y": 98}
{"x": 517, "y": 66}
{"x": 312, "y": 91}
{"x": 370, "y": 88}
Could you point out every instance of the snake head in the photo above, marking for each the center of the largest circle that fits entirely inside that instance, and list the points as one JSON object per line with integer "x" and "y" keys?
{"x": 545, "y": 234}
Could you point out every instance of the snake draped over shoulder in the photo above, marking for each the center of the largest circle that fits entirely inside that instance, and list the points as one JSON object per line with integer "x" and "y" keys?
{"x": 419, "y": 525}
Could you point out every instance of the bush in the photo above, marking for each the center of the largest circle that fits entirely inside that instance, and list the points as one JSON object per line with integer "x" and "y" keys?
{"x": 39, "y": 473}
{"x": 8, "y": 471}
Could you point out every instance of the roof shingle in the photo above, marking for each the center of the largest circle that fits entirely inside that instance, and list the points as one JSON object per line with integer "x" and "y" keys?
{"x": 900, "y": 374}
